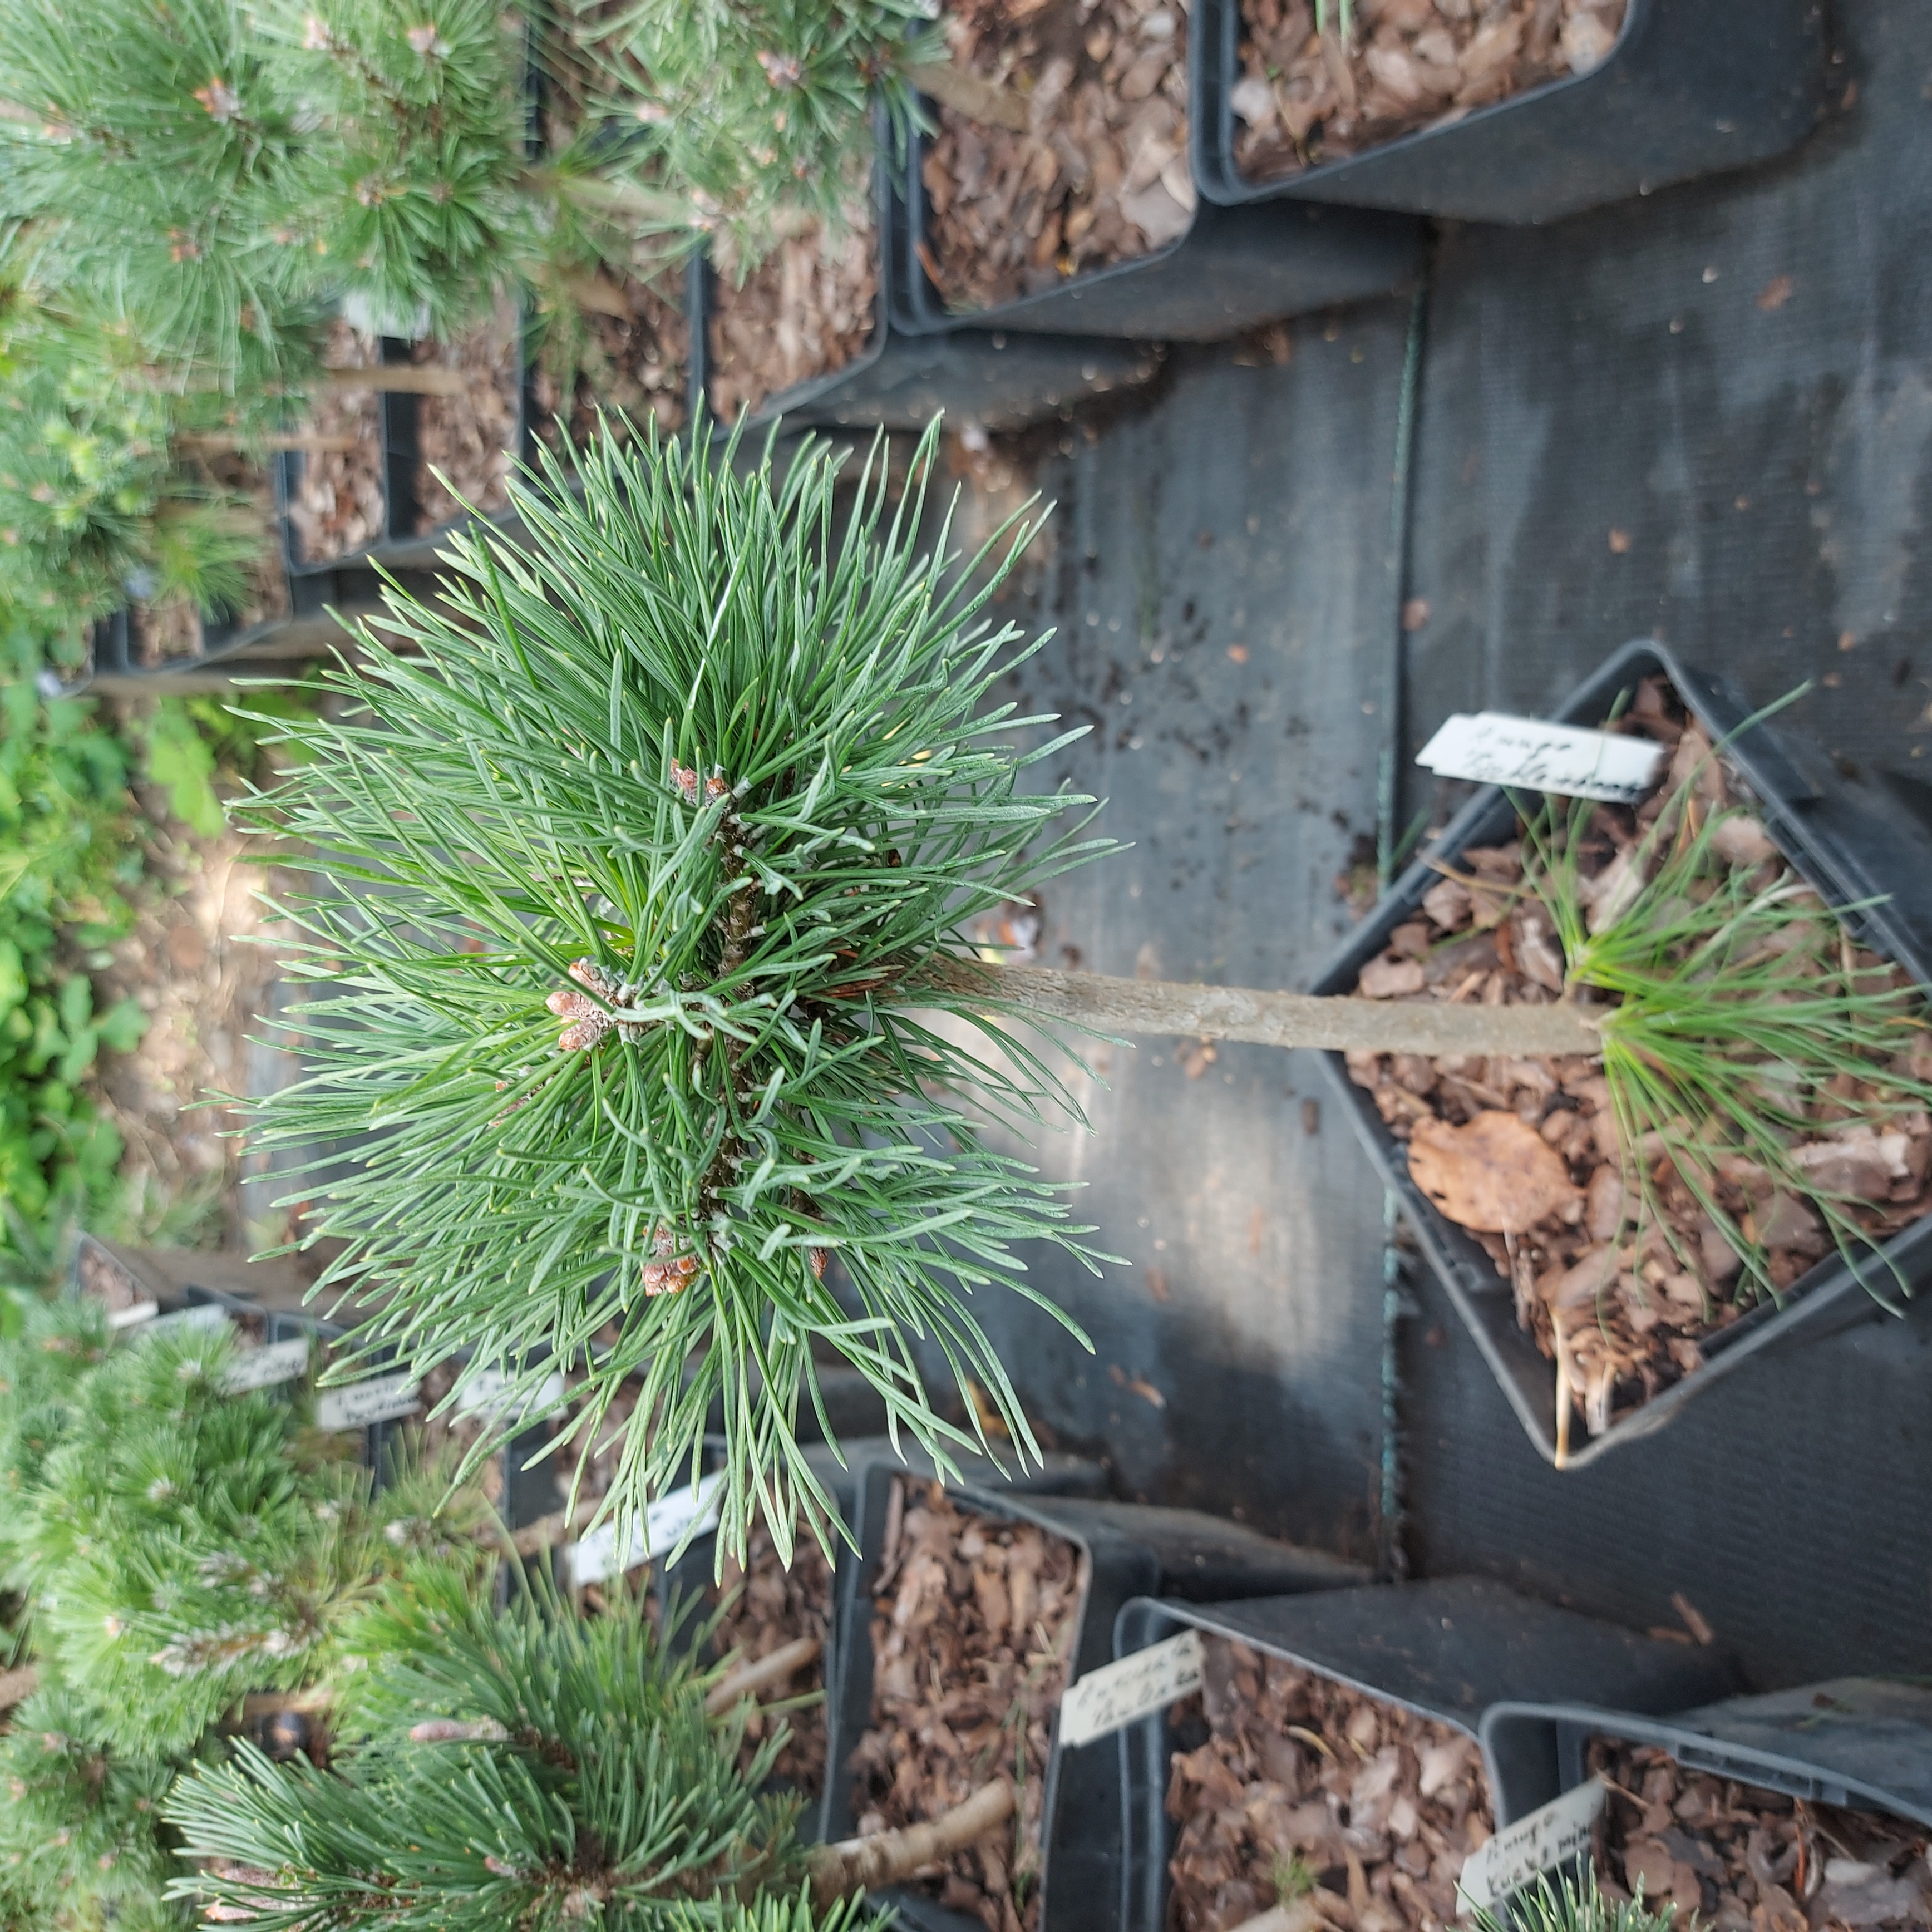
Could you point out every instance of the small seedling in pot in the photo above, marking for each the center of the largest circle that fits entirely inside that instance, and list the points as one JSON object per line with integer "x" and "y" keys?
{"x": 1574, "y": 1904}
{"x": 647, "y": 849}
{"x": 528, "y": 1768}
{"x": 1756, "y": 1099}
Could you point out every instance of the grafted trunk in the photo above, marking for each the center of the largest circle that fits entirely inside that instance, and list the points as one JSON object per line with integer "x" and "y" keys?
{"x": 1338, "y": 1023}
{"x": 890, "y": 1858}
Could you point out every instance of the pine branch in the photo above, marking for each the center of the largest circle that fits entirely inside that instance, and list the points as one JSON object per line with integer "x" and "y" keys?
{"x": 891, "y": 1858}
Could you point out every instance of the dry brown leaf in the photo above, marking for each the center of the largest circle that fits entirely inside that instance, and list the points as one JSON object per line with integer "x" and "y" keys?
{"x": 1496, "y": 1174}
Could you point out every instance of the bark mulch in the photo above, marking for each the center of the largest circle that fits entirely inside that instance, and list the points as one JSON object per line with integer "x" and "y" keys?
{"x": 339, "y": 503}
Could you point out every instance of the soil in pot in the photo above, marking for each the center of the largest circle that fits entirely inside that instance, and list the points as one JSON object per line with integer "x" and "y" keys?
{"x": 1099, "y": 173}
{"x": 634, "y": 367}
{"x": 775, "y": 1607}
{"x": 1301, "y": 100}
{"x": 807, "y": 309}
{"x": 1626, "y": 1296}
{"x": 1284, "y": 1785}
{"x": 339, "y": 503}
{"x": 470, "y": 439}
{"x": 1744, "y": 1859}
{"x": 103, "y": 1279}
{"x": 973, "y": 1620}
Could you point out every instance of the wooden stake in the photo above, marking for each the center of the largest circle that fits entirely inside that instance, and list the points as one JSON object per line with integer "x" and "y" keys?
{"x": 969, "y": 94}
{"x": 863, "y": 1864}
{"x": 313, "y": 443}
{"x": 1337, "y": 1023}
{"x": 775, "y": 1667}
{"x": 399, "y": 379}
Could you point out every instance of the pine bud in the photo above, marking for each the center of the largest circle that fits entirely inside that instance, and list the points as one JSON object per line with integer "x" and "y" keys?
{"x": 453, "y": 1731}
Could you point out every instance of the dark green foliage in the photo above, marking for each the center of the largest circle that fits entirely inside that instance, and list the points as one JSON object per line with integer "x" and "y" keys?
{"x": 81, "y": 1842}
{"x": 185, "y": 1545}
{"x": 68, "y": 859}
{"x": 763, "y": 108}
{"x": 710, "y": 784}
{"x": 532, "y": 1769}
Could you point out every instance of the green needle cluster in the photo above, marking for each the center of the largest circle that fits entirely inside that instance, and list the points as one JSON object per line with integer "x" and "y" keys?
{"x": 643, "y": 847}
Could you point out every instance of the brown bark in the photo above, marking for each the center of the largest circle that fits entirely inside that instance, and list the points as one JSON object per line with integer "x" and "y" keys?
{"x": 398, "y": 378}
{"x": 774, "y": 1667}
{"x": 1338, "y": 1024}
{"x": 17, "y": 1686}
{"x": 889, "y": 1858}
{"x": 272, "y": 1703}
{"x": 235, "y": 446}
{"x": 971, "y": 95}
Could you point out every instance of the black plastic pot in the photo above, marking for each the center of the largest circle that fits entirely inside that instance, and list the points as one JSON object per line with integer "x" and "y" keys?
{"x": 1234, "y": 268}
{"x": 401, "y": 418}
{"x": 1133, "y": 1550}
{"x": 1856, "y": 1742}
{"x": 1692, "y": 87}
{"x": 1852, "y": 843}
{"x": 1445, "y": 1651}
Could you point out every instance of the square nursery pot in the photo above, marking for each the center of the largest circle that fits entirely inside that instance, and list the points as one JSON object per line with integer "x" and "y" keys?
{"x": 1231, "y": 270}
{"x": 1690, "y": 88}
{"x": 1442, "y": 1651}
{"x": 1851, "y": 841}
{"x": 401, "y": 418}
{"x": 1132, "y": 1550}
{"x": 1858, "y": 1743}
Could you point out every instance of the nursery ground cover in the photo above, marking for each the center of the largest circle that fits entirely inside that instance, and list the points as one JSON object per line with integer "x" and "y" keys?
{"x": 1750, "y": 486}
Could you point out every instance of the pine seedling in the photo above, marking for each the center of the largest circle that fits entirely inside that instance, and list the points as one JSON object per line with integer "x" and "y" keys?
{"x": 534, "y": 1769}
{"x": 152, "y": 170}
{"x": 81, "y": 1842}
{"x": 644, "y": 842}
{"x": 42, "y": 1369}
{"x": 183, "y": 1552}
{"x": 1573, "y": 1904}
{"x": 1740, "y": 999}
{"x": 528, "y": 1769}
{"x": 764, "y": 107}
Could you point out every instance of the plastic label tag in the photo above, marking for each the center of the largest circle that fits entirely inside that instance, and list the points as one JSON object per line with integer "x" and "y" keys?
{"x": 489, "y": 1392}
{"x": 693, "y": 1508}
{"x": 1116, "y": 1695}
{"x": 1493, "y": 749}
{"x": 380, "y": 1398}
{"x": 206, "y": 1315}
{"x": 1550, "y": 1836}
{"x": 265, "y": 1368}
{"x": 133, "y": 1315}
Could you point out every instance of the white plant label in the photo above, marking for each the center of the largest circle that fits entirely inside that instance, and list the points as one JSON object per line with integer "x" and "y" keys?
{"x": 1119, "y": 1693}
{"x": 266, "y": 1367}
{"x": 133, "y": 1315}
{"x": 1549, "y": 1837}
{"x": 662, "y": 1524}
{"x": 489, "y": 1392}
{"x": 380, "y": 1398}
{"x": 206, "y": 1315}
{"x": 1493, "y": 749}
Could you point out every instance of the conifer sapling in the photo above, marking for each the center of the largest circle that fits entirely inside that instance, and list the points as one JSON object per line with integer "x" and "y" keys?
{"x": 646, "y": 867}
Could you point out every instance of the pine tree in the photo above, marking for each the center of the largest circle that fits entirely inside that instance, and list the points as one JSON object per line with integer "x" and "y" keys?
{"x": 184, "y": 1546}
{"x": 81, "y": 1842}
{"x": 101, "y": 498}
{"x": 667, "y": 813}
{"x": 764, "y": 108}
{"x": 532, "y": 1769}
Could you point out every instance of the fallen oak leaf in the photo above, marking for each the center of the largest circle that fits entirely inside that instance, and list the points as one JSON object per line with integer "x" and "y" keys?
{"x": 1496, "y": 1175}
